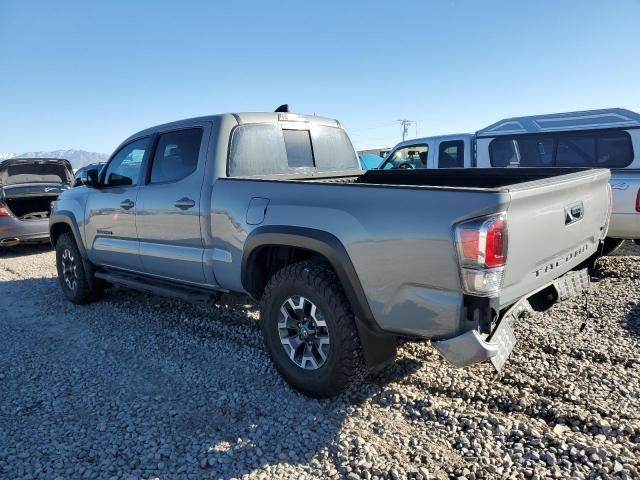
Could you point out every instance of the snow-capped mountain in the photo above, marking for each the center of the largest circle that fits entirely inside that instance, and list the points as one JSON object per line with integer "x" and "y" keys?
{"x": 6, "y": 156}
{"x": 78, "y": 158}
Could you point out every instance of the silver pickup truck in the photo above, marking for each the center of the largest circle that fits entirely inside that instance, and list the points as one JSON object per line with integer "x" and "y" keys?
{"x": 607, "y": 138}
{"x": 275, "y": 205}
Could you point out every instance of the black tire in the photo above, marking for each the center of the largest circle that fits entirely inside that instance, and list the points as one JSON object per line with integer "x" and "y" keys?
{"x": 611, "y": 245}
{"x": 84, "y": 289}
{"x": 317, "y": 282}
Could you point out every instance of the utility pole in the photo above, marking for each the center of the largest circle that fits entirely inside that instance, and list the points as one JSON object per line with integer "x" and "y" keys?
{"x": 404, "y": 127}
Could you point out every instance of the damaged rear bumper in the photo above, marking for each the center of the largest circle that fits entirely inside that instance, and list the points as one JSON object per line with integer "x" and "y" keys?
{"x": 473, "y": 347}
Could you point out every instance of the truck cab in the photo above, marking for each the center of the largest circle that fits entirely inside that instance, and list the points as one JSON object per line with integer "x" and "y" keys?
{"x": 445, "y": 151}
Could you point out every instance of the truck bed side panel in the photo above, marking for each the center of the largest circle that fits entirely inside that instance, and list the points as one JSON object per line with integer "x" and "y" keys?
{"x": 391, "y": 235}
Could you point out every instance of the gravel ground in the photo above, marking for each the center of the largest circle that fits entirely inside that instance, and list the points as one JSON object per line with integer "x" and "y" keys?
{"x": 136, "y": 386}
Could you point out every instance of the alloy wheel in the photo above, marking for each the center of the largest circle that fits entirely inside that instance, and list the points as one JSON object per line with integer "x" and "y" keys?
{"x": 303, "y": 332}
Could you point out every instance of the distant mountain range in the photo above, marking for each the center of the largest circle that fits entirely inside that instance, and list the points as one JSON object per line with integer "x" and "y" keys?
{"x": 78, "y": 158}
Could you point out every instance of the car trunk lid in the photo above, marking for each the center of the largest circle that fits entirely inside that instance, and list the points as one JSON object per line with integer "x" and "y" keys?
{"x": 35, "y": 170}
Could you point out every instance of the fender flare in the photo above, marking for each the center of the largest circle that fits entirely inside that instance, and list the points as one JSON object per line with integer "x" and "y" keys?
{"x": 67, "y": 218}
{"x": 379, "y": 346}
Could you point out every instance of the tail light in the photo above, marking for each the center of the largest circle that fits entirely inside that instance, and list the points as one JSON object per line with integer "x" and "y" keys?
{"x": 482, "y": 252}
{"x": 4, "y": 210}
{"x": 638, "y": 201}
{"x": 609, "y": 210}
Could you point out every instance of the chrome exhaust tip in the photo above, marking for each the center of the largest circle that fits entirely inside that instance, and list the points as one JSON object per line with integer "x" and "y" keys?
{"x": 9, "y": 242}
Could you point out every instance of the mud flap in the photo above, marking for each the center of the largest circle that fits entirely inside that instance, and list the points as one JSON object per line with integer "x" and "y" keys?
{"x": 379, "y": 349}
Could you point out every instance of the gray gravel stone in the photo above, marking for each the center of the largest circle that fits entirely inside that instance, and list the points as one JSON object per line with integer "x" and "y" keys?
{"x": 137, "y": 386}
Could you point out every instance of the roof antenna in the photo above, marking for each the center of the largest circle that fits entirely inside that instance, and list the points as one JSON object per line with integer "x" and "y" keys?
{"x": 282, "y": 108}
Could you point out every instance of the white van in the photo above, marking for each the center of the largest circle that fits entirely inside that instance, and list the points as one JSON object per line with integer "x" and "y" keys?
{"x": 608, "y": 138}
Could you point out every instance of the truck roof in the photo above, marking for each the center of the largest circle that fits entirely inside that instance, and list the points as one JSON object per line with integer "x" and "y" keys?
{"x": 241, "y": 118}
{"x": 415, "y": 141}
{"x": 567, "y": 121}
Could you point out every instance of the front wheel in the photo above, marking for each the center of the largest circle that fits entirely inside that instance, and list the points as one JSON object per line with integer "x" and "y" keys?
{"x": 72, "y": 273}
{"x": 309, "y": 329}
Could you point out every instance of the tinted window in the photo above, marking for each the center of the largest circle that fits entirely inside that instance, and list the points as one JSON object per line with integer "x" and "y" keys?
{"x": 536, "y": 151}
{"x": 176, "y": 155}
{"x": 614, "y": 150}
{"x": 611, "y": 149}
{"x": 503, "y": 152}
{"x": 298, "y": 146}
{"x": 576, "y": 151}
{"x": 409, "y": 157}
{"x": 124, "y": 168}
{"x": 451, "y": 154}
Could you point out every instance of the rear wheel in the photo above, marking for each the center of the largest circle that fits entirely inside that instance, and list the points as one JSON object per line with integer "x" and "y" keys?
{"x": 309, "y": 329}
{"x": 72, "y": 274}
{"x": 611, "y": 245}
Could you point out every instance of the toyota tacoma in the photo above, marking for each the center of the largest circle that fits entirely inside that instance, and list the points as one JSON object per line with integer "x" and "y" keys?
{"x": 276, "y": 206}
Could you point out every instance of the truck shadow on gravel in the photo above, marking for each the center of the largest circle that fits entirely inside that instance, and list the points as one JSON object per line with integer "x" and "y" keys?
{"x": 24, "y": 250}
{"x": 185, "y": 390}
{"x": 631, "y": 321}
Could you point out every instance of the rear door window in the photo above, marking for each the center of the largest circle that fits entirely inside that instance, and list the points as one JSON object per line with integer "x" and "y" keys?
{"x": 451, "y": 154}
{"x": 176, "y": 155}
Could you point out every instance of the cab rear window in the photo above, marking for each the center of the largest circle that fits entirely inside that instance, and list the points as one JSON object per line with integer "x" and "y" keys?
{"x": 608, "y": 149}
{"x": 269, "y": 149}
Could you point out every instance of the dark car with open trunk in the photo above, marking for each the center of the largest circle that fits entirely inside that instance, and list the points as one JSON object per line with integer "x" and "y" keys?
{"x": 27, "y": 188}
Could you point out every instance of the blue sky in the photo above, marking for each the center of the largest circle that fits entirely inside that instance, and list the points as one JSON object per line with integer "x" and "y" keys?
{"x": 77, "y": 74}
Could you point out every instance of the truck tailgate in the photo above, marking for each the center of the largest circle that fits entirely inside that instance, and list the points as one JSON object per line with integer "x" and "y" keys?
{"x": 554, "y": 224}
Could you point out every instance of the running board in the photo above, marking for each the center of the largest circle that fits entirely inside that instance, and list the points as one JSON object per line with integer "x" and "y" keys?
{"x": 162, "y": 288}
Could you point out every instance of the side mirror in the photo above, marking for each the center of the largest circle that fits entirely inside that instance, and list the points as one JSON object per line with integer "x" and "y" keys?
{"x": 92, "y": 178}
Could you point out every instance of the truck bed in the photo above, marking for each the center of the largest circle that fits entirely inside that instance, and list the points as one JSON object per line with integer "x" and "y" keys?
{"x": 402, "y": 224}
{"x": 479, "y": 178}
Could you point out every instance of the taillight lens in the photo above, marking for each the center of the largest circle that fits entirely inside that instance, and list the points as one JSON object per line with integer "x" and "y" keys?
{"x": 482, "y": 250}
{"x": 483, "y": 242}
{"x": 638, "y": 201}
{"x": 4, "y": 211}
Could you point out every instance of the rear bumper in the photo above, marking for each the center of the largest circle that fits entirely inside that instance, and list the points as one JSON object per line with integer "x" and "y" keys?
{"x": 473, "y": 347}
{"x": 14, "y": 231}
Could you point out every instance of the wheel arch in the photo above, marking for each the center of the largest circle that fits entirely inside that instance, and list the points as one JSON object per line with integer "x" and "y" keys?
{"x": 300, "y": 243}
{"x": 288, "y": 244}
{"x": 64, "y": 221}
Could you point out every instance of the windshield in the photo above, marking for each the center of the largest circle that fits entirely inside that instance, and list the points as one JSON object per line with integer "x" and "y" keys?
{"x": 408, "y": 158}
{"x": 37, "y": 172}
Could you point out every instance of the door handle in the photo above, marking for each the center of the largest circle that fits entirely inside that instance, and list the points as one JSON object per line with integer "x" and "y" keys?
{"x": 185, "y": 203}
{"x": 127, "y": 204}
